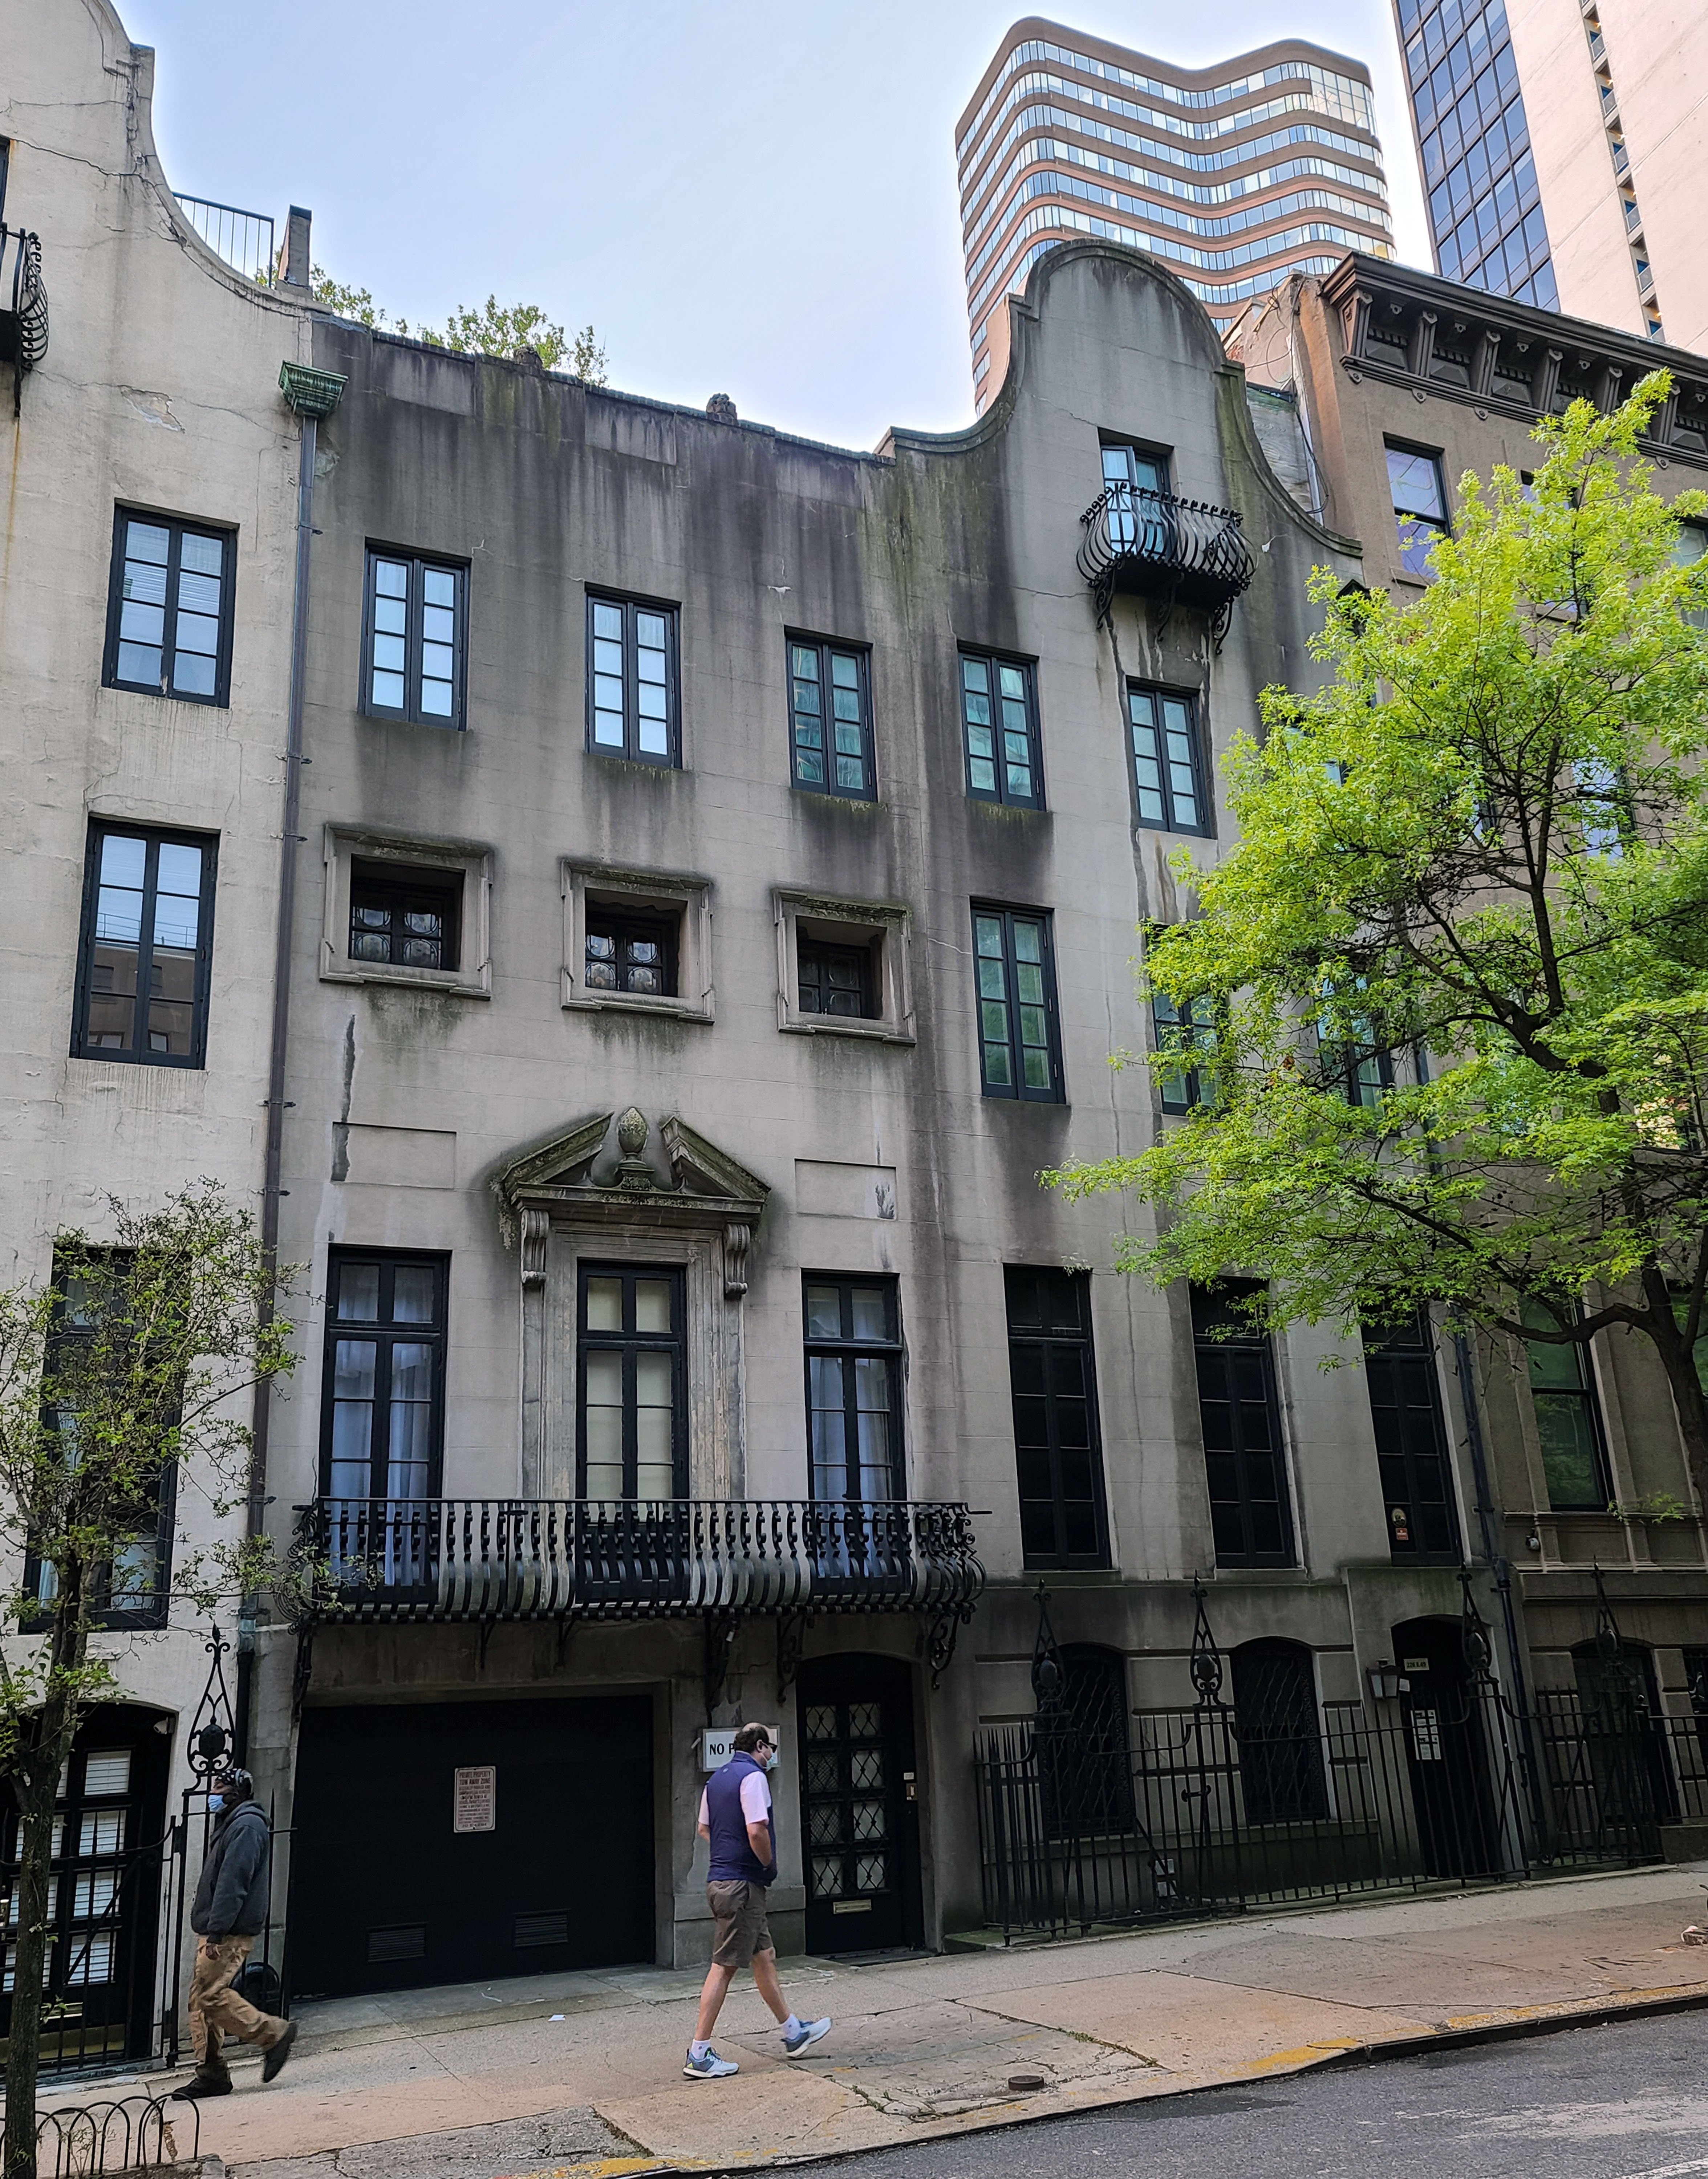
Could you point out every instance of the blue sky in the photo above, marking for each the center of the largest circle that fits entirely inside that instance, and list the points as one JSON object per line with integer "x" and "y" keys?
{"x": 757, "y": 199}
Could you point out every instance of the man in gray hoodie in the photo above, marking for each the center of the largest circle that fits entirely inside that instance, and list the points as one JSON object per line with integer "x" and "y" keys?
{"x": 227, "y": 1915}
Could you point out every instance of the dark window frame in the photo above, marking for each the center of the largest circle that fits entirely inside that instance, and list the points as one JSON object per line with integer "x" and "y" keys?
{"x": 629, "y": 1343}
{"x": 631, "y": 752}
{"x": 387, "y": 1333}
{"x": 180, "y": 526}
{"x": 1212, "y": 1353}
{"x": 849, "y": 1348}
{"x": 154, "y": 837}
{"x": 1587, "y": 1393}
{"x": 1411, "y": 1512}
{"x": 1050, "y": 1341}
{"x": 1028, "y": 669}
{"x": 1016, "y": 1088}
{"x": 1171, "y": 819}
{"x": 1277, "y": 1717}
{"x": 1175, "y": 1032}
{"x": 825, "y": 953}
{"x": 1435, "y": 526}
{"x": 624, "y": 924}
{"x": 826, "y": 647}
{"x": 154, "y": 1611}
{"x": 420, "y": 565}
{"x": 405, "y": 883}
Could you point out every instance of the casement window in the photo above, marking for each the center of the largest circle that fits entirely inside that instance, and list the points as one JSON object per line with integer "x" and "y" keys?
{"x": 631, "y": 1409}
{"x": 1246, "y": 1465}
{"x": 169, "y": 608}
{"x": 405, "y": 918}
{"x": 415, "y": 913}
{"x": 1057, "y": 1450}
{"x": 146, "y": 947}
{"x": 835, "y": 981}
{"x": 133, "y": 1589}
{"x": 1411, "y": 1445}
{"x": 631, "y": 954}
{"x": 382, "y": 1399}
{"x": 842, "y": 967}
{"x": 853, "y": 1388}
{"x": 1187, "y": 1032}
{"x": 1136, "y": 477}
{"x": 1419, "y": 504}
{"x": 1019, "y": 1042}
{"x": 999, "y": 718}
{"x": 1568, "y": 1420}
{"x": 632, "y": 703}
{"x": 414, "y": 638}
{"x": 636, "y": 942}
{"x": 831, "y": 719}
{"x": 1167, "y": 763}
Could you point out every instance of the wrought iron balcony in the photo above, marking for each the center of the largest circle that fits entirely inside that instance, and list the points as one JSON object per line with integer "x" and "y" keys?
{"x": 1157, "y": 546}
{"x": 489, "y": 1559}
{"x": 23, "y": 301}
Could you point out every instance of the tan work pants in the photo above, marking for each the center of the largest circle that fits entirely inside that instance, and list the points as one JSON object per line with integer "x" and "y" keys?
{"x": 216, "y": 2010}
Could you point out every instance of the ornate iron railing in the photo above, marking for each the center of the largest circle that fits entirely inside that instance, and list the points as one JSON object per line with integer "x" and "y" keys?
{"x": 23, "y": 300}
{"x": 1178, "y": 550}
{"x": 484, "y": 1559}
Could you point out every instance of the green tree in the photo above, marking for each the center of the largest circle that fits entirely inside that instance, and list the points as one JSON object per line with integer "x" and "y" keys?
{"x": 494, "y": 329}
{"x": 1455, "y": 972}
{"x": 130, "y": 1365}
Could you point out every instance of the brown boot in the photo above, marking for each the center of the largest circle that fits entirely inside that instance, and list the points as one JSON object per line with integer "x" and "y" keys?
{"x": 205, "y": 2082}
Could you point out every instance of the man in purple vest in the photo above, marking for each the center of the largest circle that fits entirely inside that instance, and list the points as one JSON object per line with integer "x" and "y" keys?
{"x": 735, "y": 1817}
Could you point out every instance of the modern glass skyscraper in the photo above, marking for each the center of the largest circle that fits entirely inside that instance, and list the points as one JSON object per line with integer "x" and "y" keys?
{"x": 1234, "y": 176}
{"x": 1473, "y": 142}
{"x": 1564, "y": 146}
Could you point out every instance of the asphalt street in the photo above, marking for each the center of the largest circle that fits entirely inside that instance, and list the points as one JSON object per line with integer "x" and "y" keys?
{"x": 1625, "y": 2101}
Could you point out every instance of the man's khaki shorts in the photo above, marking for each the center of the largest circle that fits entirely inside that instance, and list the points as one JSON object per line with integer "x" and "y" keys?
{"x": 737, "y": 1913}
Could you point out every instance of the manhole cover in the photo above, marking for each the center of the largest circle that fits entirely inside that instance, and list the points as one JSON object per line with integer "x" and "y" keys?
{"x": 1028, "y": 2081}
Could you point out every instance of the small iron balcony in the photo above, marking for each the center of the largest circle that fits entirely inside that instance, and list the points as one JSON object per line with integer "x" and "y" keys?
{"x": 488, "y": 1559}
{"x": 23, "y": 301}
{"x": 1177, "y": 550}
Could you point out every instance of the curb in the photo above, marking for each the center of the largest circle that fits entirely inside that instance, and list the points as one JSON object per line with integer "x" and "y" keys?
{"x": 1597, "y": 2015}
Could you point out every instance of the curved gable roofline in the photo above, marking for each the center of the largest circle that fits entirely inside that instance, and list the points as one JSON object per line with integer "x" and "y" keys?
{"x": 1026, "y": 313}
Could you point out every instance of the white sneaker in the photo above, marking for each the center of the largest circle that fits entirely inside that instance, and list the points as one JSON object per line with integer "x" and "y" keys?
{"x": 711, "y": 2067}
{"x": 797, "y": 2046}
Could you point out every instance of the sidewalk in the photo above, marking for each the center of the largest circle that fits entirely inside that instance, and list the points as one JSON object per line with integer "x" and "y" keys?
{"x": 581, "y": 2072}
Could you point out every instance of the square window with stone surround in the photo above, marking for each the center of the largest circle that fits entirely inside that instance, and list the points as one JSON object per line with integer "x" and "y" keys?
{"x": 842, "y": 967}
{"x": 636, "y": 942}
{"x": 410, "y": 912}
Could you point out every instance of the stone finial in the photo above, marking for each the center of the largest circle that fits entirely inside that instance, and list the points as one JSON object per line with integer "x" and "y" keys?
{"x": 632, "y": 1132}
{"x": 721, "y": 409}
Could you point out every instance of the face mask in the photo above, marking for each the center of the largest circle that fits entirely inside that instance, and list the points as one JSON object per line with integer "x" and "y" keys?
{"x": 216, "y": 1801}
{"x": 769, "y": 1759}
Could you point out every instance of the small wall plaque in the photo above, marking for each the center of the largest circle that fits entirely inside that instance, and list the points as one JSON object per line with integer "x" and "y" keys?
{"x": 475, "y": 1798}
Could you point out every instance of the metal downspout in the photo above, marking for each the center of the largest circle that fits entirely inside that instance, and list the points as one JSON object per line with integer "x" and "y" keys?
{"x": 312, "y": 394}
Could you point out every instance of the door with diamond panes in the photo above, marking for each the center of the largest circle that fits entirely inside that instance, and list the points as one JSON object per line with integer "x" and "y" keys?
{"x": 859, "y": 1816}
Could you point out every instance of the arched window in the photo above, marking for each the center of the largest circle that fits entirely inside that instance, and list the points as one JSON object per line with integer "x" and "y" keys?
{"x": 1083, "y": 1756}
{"x": 1625, "y": 1729}
{"x": 1280, "y": 1741}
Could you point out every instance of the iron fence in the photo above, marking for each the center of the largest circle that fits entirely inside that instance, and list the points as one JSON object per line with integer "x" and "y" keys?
{"x": 242, "y": 238}
{"x": 1202, "y": 1813}
{"x": 132, "y": 2134}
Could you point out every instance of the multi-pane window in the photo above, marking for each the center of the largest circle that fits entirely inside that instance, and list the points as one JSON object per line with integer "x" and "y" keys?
{"x": 837, "y": 979}
{"x": 414, "y": 635}
{"x": 1168, "y": 767}
{"x": 406, "y": 918}
{"x": 1419, "y": 504}
{"x": 999, "y": 716}
{"x": 383, "y": 1402}
{"x": 632, "y": 1411}
{"x": 830, "y": 714}
{"x": 1135, "y": 480}
{"x": 631, "y": 708}
{"x": 168, "y": 620}
{"x": 1019, "y": 1048}
{"x": 1251, "y": 1510}
{"x": 131, "y": 1588}
{"x": 853, "y": 1388}
{"x": 1280, "y": 1741}
{"x": 1058, "y": 1453}
{"x": 1411, "y": 1445}
{"x": 1186, "y": 1031}
{"x": 1568, "y": 1420}
{"x": 146, "y": 945}
{"x": 632, "y": 954}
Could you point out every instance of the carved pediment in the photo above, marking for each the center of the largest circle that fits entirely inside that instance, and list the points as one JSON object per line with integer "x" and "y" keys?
{"x": 622, "y": 1161}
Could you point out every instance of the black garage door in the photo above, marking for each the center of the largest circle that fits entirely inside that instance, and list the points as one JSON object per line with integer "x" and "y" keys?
{"x": 454, "y": 1842}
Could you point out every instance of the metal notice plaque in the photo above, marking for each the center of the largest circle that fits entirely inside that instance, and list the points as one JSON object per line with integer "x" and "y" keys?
{"x": 474, "y": 1799}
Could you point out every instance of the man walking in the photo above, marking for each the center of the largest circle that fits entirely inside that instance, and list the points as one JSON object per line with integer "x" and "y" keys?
{"x": 227, "y": 1915}
{"x": 735, "y": 1816}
